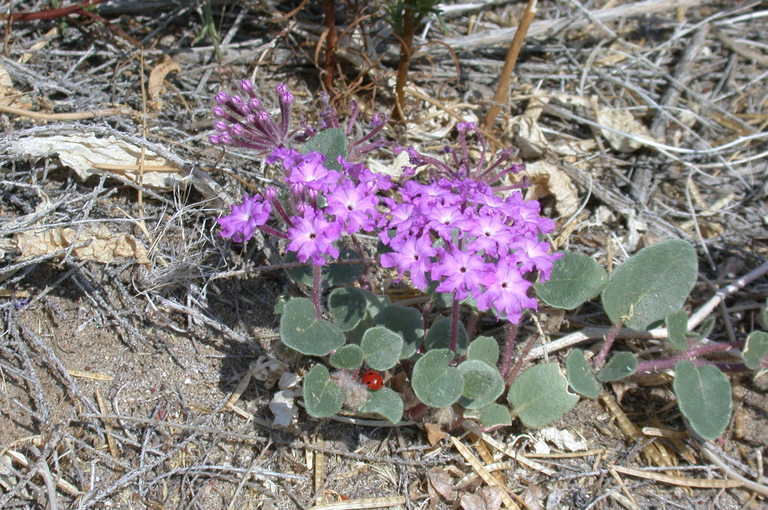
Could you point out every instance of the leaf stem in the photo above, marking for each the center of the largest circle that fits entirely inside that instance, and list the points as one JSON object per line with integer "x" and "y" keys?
{"x": 608, "y": 339}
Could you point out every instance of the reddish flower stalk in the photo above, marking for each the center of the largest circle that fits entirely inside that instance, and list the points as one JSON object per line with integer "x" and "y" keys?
{"x": 54, "y": 13}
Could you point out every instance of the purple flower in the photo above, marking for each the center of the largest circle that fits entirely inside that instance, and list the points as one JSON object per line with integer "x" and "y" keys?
{"x": 462, "y": 271}
{"x": 312, "y": 237}
{"x": 354, "y": 207}
{"x": 506, "y": 291}
{"x": 412, "y": 256}
{"x": 241, "y": 223}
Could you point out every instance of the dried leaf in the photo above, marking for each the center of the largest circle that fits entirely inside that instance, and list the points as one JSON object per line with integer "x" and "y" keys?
{"x": 472, "y": 502}
{"x": 562, "y": 439}
{"x": 283, "y": 407}
{"x": 547, "y": 179}
{"x": 492, "y": 496}
{"x": 89, "y": 155}
{"x": 434, "y": 433}
{"x": 105, "y": 245}
{"x": 441, "y": 483}
{"x": 156, "y": 85}
{"x": 9, "y": 96}
{"x": 625, "y": 133}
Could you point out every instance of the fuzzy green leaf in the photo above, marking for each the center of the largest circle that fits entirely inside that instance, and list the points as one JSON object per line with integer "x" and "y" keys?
{"x": 704, "y": 397}
{"x": 482, "y": 384}
{"x": 580, "y": 375}
{"x": 349, "y": 357}
{"x": 347, "y": 305}
{"x": 303, "y": 332}
{"x": 384, "y": 402}
{"x": 439, "y": 336}
{"x": 407, "y": 322}
{"x": 677, "y": 327}
{"x": 322, "y": 396}
{"x": 331, "y": 143}
{"x": 756, "y": 350}
{"x": 621, "y": 365}
{"x": 381, "y": 347}
{"x": 494, "y": 415}
{"x": 652, "y": 283}
{"x": 434, "y": 382}
{"x": 485, "y": 349}
{"x": 540, "y": 395}
{"x": 575, "y": 279}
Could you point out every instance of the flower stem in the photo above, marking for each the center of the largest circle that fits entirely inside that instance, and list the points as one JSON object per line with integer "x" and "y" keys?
{"x": 509, "y": 349}
{"x": 453, "y": 344}
{"x": 316, "y": 282}
{"x": 521, "y": 355}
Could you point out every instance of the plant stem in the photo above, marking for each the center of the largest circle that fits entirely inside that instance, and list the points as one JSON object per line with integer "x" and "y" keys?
{"x": 527, "y": 346}
{"x": 608, "y": 340}
{"x": 453, "y": 344}
{"x": 509, "y": 64}
{"x": 509, "y": 349}
{"x": 316, "y": 282}
{"x": 406, "y": 51}
{"x": 689, "y": 354}
{"x": 329, "y": 13}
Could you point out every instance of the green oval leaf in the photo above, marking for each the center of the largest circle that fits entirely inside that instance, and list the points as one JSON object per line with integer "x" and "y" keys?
{"x": 482, "y": 384}
{"x": 302, "y": 332}
{"x": 540, "y": 395}
{"x": 494, "y": 415}
{"x": 704, "y": 397}
{"x": 621, "y": 365}
{"x": 677, "y": 327}
{"x": 348, "y": 306}
{"x": 331, "y": 143}
{"x": 439, "y": 336}
{"x": 580, "y": 375}
{"x": 434, "y": 382}
{"x": 652, "y": 283}
{"x": 322, "y": 396}
{"x": 485, "y": 349}
{"x": 575, "y": 279}
{"x": 381, "y": 347}
{"x": 755, "y": 353}
{"x": 385, "y": 402}
{"x": 407, "y": 322}
{"x": 349, "y": 357}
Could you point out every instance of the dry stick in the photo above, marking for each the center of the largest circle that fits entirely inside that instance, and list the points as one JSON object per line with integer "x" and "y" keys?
{"x": 329, "y": 13}
{"x": 540, "y": 28}
{"x": 406, "y": 52}
{"x": 658, "y": 333}
{"x": 509, "y": 65}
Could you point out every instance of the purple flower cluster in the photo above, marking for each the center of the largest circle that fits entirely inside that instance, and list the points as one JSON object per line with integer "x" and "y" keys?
{"x": 326, "y": 204}
{"x": 460, "y": 234}
{"x": 246, "y": 123}
{"x": 455, "y": 231}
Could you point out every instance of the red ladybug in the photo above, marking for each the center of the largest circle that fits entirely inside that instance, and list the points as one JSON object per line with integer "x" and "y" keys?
{"x": 373, "y": 380}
